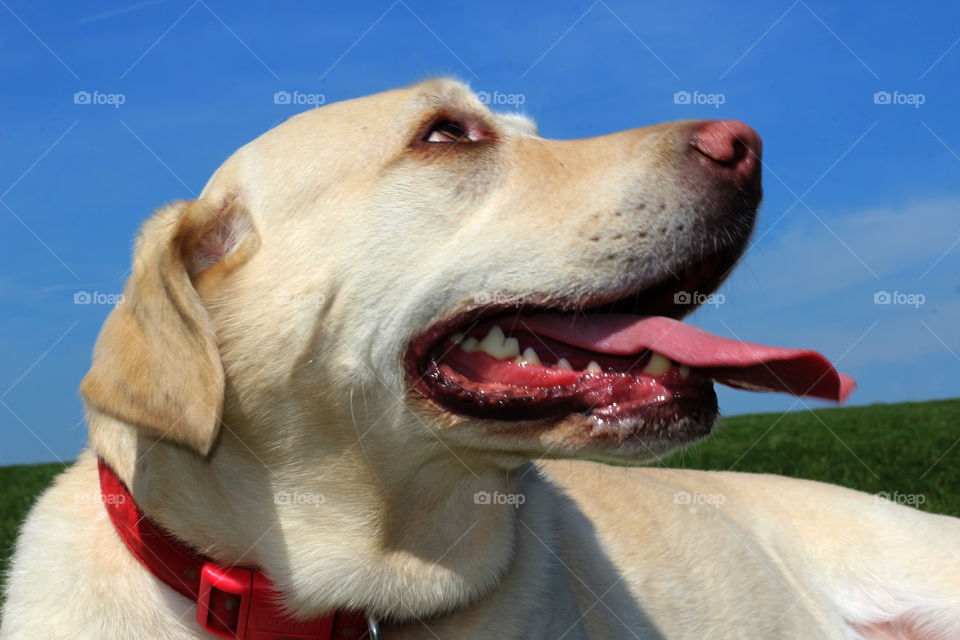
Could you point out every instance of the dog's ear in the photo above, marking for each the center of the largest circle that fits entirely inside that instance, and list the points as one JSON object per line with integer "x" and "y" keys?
{"x": 156, "y": 363}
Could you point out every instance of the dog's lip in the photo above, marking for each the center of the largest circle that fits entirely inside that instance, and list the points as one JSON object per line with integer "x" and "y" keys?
{"x": 667, "y": 398}
{"x": 450, "y": 395}
{"x": 654, "y": 296}
{"x": 512, "y": 392}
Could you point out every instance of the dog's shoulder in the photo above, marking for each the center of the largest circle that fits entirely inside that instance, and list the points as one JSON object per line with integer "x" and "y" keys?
{"x": 71, "y": 576}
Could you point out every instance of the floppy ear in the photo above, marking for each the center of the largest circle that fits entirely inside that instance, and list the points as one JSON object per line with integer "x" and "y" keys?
{"x": 156, "y": 364}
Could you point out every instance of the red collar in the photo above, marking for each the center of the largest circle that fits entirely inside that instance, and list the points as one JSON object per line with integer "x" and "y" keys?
{"x": 232, "y": 602}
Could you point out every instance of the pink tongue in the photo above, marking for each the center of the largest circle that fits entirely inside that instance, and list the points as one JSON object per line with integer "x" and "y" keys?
{"x": 756, "y": 367}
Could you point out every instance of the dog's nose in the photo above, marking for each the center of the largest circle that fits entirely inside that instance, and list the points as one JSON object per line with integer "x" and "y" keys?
{"x": 732, "y": 144}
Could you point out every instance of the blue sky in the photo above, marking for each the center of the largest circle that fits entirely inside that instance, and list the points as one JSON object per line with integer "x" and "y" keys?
{"x": 861, "y": 197}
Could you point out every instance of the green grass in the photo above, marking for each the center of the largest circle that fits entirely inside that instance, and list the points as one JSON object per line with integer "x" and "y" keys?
{"x": 908, "y": 449}
{"x": 21, "y": 485}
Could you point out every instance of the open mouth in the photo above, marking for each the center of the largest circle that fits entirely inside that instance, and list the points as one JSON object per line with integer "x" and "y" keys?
{"x": 616, "y": 363}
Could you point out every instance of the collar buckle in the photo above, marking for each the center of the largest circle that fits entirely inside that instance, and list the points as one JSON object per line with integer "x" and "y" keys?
{"x": 237, "y": 604}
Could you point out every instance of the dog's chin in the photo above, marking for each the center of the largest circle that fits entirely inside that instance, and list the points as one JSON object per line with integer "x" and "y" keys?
{"x": 644, "y": 436}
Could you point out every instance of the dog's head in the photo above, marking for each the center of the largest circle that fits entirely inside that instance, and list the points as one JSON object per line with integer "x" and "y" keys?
{"x": 415, "y": 265}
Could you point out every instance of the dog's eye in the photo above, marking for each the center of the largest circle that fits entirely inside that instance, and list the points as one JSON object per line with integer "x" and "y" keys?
{"x": 447, "y": 131}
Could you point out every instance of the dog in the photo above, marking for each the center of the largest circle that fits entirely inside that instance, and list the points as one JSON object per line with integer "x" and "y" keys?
{"x": 365, "y": 384}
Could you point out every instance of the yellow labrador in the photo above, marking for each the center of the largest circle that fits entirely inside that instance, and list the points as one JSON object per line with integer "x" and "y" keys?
{"x": 335, "y": 368}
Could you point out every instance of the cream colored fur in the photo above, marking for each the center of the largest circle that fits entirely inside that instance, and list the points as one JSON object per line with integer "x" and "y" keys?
{"x": 258, "y": 355}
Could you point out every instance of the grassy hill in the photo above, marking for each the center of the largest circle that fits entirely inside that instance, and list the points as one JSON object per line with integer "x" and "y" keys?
{"x": 908, "y": 451}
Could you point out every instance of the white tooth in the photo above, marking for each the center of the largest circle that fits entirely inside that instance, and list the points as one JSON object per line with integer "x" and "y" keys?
{"x": 470, "y": 345}
{"x": 594, "y": 367}
{"x": 684, "y": 371}
{"x": 493, "y": 342}
{"x": 498, "y": 346}
{"x": 562, "y": 363}
{"x": 456, "y": 337}
{"x": 530, "y": 357}
{"x": 657, "y": 366}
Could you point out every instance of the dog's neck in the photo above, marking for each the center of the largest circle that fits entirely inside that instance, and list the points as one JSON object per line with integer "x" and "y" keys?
{"x": 346, "y": 528}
